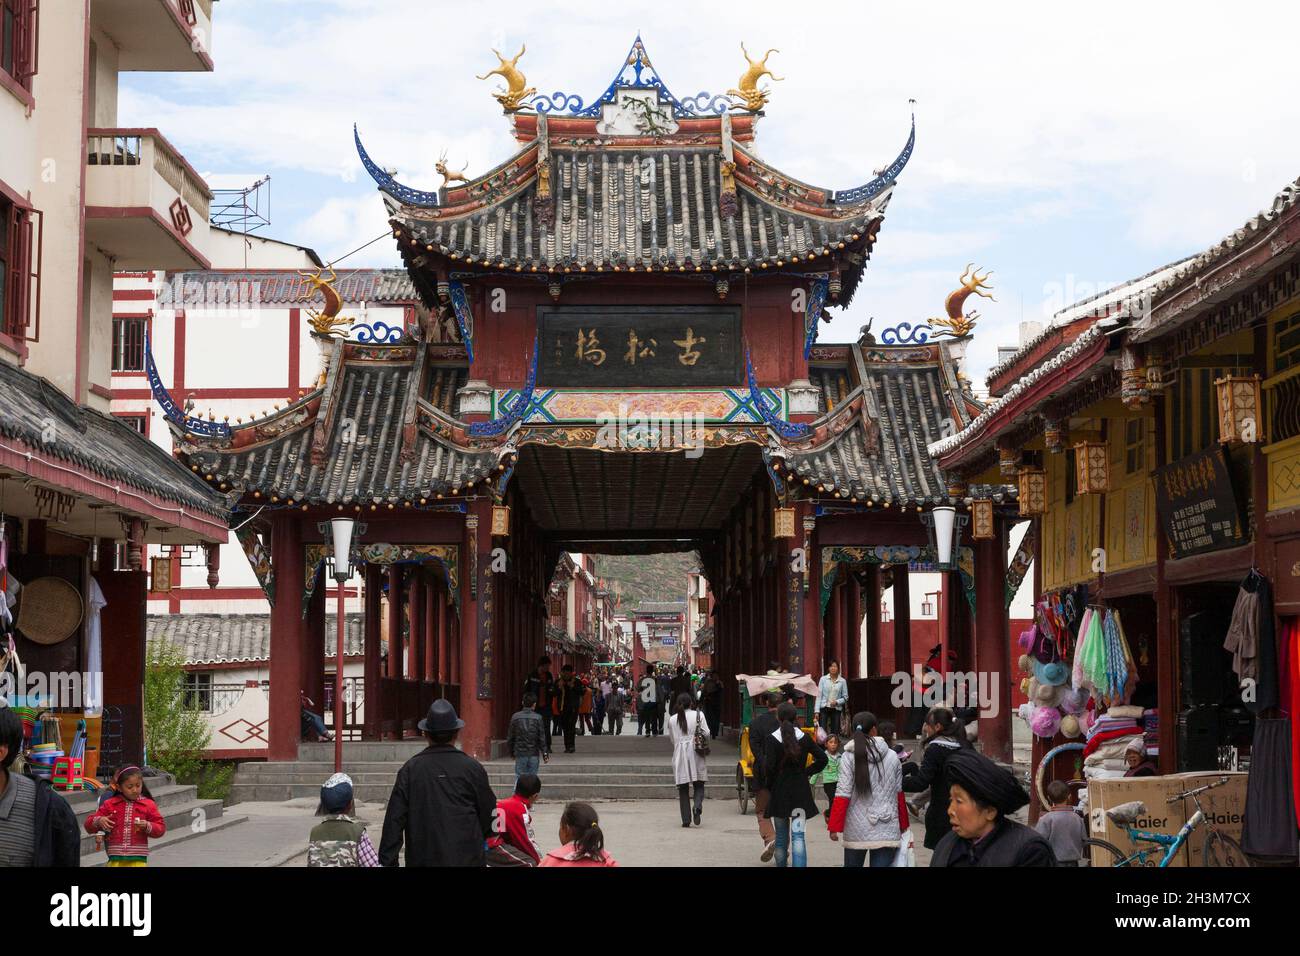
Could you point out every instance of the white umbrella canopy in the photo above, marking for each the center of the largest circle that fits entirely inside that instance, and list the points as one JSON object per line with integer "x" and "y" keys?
{"x": 762, "y": 683}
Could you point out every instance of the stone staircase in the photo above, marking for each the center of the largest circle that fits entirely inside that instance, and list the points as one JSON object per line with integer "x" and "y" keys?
{"x": 186, "y": 816}
{"x": 604, "y": 768}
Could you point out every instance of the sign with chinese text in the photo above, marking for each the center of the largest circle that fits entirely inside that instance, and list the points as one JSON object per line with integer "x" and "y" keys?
{"x": 652, "y": 346}
{"x": 1197, "y": 507}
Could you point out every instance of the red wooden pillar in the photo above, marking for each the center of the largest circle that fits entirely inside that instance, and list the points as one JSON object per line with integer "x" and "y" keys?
{"x": 286, "y": 637}
{"x": 395, "y": 620}
{"x": 371, "y": 702}
{"x": 872, "y": 615}
{"x": 854, "y": 655}
{"x": 430, "y": 631}
{"x": 993, "y": 643}
{"x": 902, "y": 619}
{"x": 440, "y": 632}
{"x": 415, "y": 624}
{"x": 478, "y": 646}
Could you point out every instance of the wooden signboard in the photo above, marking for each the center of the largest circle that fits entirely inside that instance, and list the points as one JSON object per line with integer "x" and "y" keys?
{"x": 1197, "y": 506}
{"x": 642, "y": 347}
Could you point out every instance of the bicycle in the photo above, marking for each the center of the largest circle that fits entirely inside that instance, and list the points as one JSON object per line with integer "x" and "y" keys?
{"x": 1220, "y": 849}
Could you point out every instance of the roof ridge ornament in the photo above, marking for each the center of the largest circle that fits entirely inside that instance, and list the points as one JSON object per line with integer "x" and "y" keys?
{"x": 517, "y": 91}
{"x": 384, "y": 179}
{"x": 885, "y": 179}
{"x": 701, "y": 104}
{"x": 750, "y": 96}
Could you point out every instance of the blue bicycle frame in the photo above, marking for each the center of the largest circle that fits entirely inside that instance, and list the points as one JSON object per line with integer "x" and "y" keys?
{"x": 1173, "y": 843}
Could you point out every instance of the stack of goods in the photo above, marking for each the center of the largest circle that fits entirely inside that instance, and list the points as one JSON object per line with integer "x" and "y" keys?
{"x": 41, "y": 760}
{"x": 1151, "y": 726}
{"x": 1108, "y": 739}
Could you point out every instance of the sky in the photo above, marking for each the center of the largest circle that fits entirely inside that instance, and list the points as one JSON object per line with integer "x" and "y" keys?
{"x": 1066, "y": 147}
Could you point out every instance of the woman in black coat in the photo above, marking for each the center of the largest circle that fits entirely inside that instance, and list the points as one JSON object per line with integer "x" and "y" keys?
{"x": 943, "y": 737}
{"x": 785, "y": 769}
{"x": 981, "y": 832}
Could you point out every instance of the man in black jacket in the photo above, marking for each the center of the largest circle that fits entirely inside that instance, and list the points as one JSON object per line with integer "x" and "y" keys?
{"x": 37, "y": 827}
{"x": 441, "y": 804}
{"x": 568, "y": 699}
{"x": 763, "y": 725}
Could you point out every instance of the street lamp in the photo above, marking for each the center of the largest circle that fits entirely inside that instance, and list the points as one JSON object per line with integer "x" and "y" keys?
{"x": 340, "y": 531}
{"x": 945, "y": 526}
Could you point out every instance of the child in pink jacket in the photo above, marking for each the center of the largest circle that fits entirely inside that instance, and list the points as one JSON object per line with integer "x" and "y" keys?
{"x": 584, "y": 843}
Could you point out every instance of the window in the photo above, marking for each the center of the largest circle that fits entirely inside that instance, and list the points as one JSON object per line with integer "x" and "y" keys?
{"x": 139, "y": 422}
{"x": 128, "y": 345}
{"x": 16, "y": 229}
{"x": 197, "y": 691}
{"x": 18, "y": 20}
{"x": 1135, "y": 454}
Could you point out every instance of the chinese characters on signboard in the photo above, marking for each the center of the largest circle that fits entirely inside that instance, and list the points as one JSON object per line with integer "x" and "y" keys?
{"x": 622, "y": 346}
{"x": 1198, "y": 509}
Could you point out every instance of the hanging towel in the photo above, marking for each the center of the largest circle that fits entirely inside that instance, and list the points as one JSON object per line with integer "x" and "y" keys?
{"x": 1242, "y": 639}
{"x": 1081, "y": 648}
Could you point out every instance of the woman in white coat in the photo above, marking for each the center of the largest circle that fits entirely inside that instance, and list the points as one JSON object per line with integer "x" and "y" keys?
{"x": 689, "y": 766}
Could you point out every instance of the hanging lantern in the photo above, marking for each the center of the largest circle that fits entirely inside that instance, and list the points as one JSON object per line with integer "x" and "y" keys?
{"x": 1054, "y": 435}
{"x": 500, "y": 520}
{"x": 982, "y": 519}
{"x": 1134, "y": 388}
{"x": 1091, "y": 467}
{"x": 1239, "y": 408}
{"x": 1009, "y": 462}
{"x": 957, "y": 488}
{"x": 160, "y": 575}
{"x": 783, "y": 522}
{"x": 1033, "y": 491}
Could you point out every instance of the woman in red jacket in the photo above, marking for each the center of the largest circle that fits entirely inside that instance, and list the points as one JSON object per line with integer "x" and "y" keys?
{"x": 129, "y": 818}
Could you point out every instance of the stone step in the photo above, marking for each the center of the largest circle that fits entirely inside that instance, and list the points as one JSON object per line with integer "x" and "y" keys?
{"x": 179, "y": 835}
{"x": 178, "y": 813}
{"x": 378, "y": 793}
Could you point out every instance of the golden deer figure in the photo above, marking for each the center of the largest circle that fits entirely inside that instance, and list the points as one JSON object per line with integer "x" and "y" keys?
{"x": 517, "y": 89}
{"x": 450, "y": 176}
{"x": 327, "y": 322}
{"x": 957, "y": 324}
{"x": 751, "y": 96}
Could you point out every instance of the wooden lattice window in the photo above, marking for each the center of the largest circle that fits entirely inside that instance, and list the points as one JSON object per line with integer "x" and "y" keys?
{"x": 17, "y": 243}
{"x": 1135, "y": 445}
{"x": 18, "y": 46}
{"x": 128, "y": 344}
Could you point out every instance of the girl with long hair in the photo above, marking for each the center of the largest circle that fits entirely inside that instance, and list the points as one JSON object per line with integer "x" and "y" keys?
{"x": 690, "y": 766}
{"x": 787, "y": 767}
{"x": 944, "y": 736}
{"x": 866, "y": 798}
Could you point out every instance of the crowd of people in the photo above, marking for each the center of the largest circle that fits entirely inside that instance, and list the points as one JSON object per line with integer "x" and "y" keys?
{"x": 443, "y": 812}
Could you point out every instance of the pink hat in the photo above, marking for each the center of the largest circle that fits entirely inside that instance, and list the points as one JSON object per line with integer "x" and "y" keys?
{"x": 1045, "y": 722}
{"x": 1075, "y": 701}
{"x": 1026, "y": 639}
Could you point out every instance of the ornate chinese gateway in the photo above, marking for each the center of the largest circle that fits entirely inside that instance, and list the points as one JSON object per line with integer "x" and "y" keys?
{"x": 620, "y": 354}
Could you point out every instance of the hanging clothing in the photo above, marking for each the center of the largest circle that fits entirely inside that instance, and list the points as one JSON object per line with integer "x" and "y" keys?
{"x": 93, "y": 698}
{"x": 1269, "y": 828}
{"x": 1252, "y": 643}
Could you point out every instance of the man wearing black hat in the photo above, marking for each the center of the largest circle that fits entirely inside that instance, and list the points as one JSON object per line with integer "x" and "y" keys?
{"x": 982, "y": 796}
{"x": 441, "y": 804}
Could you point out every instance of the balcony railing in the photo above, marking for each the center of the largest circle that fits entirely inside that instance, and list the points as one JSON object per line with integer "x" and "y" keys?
{"x": 130, "y": 147}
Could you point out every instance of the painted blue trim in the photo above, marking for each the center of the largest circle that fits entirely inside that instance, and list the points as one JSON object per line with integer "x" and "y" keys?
{"x": 464, "y": 318}
{"x": 813, "y": 311}
{"x": 783, "y": 428}
{"x": 904, "y": 334}
{"x": 412, "y": 197}
{"x": 377, "y": 332}
{"x": 173, "y": 412}
{"x": 515, "y": 412}
{"x": 860, "y": 194}
{"x": 701, "y": 104}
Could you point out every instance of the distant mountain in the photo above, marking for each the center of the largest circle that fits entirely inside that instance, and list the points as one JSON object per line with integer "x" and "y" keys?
{"x": 646, "y": 577}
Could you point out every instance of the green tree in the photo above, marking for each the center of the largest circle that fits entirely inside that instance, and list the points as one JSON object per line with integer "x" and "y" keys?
{"x": 175, "y": 731}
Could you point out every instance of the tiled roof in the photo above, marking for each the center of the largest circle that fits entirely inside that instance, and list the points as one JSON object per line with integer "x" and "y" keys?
{"x": 661, "y": 607}
{"x": 239, "y": 638}
{"x": 361, "y": 447}
{"x": 1113, "y": 301}
{"x": 626, "y": 206}
{"x": 1080, "y": 345}
{"x": 270, "y": 287}
{"x": 39, "y": 415}
{"x": 873, "y": 446}
{"x": 1252, "y": 231}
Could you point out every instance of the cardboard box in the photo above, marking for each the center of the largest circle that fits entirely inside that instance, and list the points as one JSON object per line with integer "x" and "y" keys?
{"x": 1225, "y": 806}
{"x": 1161, "y": 817}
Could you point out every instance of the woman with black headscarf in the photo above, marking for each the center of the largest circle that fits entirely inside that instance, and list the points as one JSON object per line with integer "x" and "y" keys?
{"x": 982, "y": 795}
